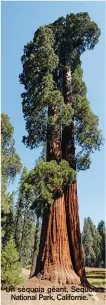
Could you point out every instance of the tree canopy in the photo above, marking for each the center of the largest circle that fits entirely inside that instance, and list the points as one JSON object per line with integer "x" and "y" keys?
{"x": 53, "y": 54}
{"x": 56, "y": 48}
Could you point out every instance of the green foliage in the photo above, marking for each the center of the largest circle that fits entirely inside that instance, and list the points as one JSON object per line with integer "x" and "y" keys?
{"x": 7, "y": 220}
{"x": 26, "y": 191}
{"x": 102, "y": 231}
{"x": 10, "y": 267}
{"x": 67, "y": 114}
{"x": 39, "y": 61}
{"x": 27, "y": 242}
{"x": 49, "y": 180}
{"x": 86, "y": 123}
{"x": 101, "y": 228}
{"x": 73, "y": 35}
{"x": 93, "y": 244}
{"x": 24, "y": 220}
{"x": 83, "y": 161}
{"x": 28, "y": 267}
{"x": 87, "y": 133}
{"x": 87, "y": 240}
{"x": 11, "y": 165}
{"x": 54, "y": 51}
{"x": 78, "y": 85}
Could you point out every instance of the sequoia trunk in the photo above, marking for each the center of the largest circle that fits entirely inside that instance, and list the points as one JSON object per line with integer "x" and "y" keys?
{"x": 71, "y": 198}
{"x": 73, "y": 223}
{"x": 54, "y": 261}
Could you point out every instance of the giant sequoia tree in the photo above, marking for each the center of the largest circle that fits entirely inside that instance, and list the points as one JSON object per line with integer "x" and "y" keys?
{"x": 58, "y": 114}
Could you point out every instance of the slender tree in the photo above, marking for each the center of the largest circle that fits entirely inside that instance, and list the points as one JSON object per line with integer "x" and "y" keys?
{"x": 10, "y": 267}
{"x": 36, "y": 246}
{"x": 91, "y": 243}
{"x": 102, "y": 232}
{"x": 58, "y": 113}
{"x": 24, "y": 221}
{"x": 11, "y": 165}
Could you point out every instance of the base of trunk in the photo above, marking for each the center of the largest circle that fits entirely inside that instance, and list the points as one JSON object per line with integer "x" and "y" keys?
{"x": 60, "y": 274}
{"x": 54, "y": 261}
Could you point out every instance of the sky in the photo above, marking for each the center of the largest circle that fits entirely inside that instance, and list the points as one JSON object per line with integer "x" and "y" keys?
{"x": 19, "y": 22}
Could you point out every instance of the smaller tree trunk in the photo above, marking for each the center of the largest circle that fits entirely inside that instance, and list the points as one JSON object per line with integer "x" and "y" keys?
{"x": 36, "y": 248}
{"x": 20, "y": 249}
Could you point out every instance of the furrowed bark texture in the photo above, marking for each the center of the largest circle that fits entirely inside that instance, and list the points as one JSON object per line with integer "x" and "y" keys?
{"x": 54, "y": 261}
{"x": 73, "y": 225}
{"x": 72, "y": 213}
{"x": 73, "y": 222}
{"x": 60, "y": 257}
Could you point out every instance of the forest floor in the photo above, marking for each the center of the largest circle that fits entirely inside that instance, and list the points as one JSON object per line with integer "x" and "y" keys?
{"x": 96, "y": 276}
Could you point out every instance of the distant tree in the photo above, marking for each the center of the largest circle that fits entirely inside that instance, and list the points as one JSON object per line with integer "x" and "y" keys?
{"x": 8, "y": 219}
{"x": 87, "y": 240}
{"x": 102, "y": 231}
{"x": 10, "y": 166}
{"x": 92, "y": 243}
{"x": 24, "y": 221}
{"x": 10, "y": 267}
{"x": 96, "y": 242}
{"x": 27, "y": 242}
{"x": 36, "y": 246}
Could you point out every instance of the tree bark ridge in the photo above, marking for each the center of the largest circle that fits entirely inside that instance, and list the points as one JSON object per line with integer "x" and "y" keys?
{"x": 56, "y": 264}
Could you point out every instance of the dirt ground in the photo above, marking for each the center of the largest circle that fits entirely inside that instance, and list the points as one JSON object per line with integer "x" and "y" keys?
{"x": 92, "y": 298}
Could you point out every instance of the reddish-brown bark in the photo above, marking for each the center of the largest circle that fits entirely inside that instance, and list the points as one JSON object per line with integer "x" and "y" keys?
{"x": 72, "y": 209}
{"x": 54, "y": 261}
{"x": 73, "y": 225}
{"x": 60, "y": 257}
{"x": 72, "y": 212}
